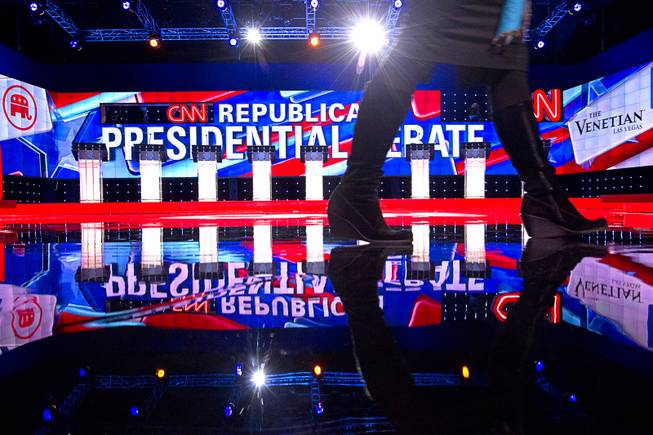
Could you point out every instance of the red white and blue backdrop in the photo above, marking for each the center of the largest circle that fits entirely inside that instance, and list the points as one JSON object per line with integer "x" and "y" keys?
{"x": 604, "y": 124}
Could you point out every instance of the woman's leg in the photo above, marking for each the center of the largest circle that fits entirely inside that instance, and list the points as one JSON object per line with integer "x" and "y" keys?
{"x": 545, "y": 211}
{"x": 354, "y": 210}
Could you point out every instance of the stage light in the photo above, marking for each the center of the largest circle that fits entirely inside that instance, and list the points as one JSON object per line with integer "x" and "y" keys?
{"x": 253, "y": 35}
{"x": 233, "y": 41}
{"x": 229, "y": 410}
{"x": 578, "y": 7}
{"x": 539, "y": 366}
{"x": 319, "y": 408}
{"x": 221, "y": 4}
{"x": 82, "y": 372}
{"x": 258, "y": 378}
{"x": 37, "y": 8}
{"x": 540, "y": 44}
{"x": 47, "y": 415}
{"x": 126, "y": 5}
{"x": 465, "y": 372}
{"x": 398, "y": 4}
{"x": 239, "y": 369}
{"x": 572, "y": 398}
{"x": 315, "y": 4}
{"x": 134, "y": 411}
{"x": 314, "y": 40}
{"x": 160, "y": 373}
{"x": 368, "y": 36}
{"x": 317, "y": 371}
{"x": 76, "y": 44}
{"x": 155, "y": 41}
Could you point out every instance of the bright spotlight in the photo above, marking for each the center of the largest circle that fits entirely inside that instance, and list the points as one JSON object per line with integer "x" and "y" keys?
{"x": 465, "y": 372}
{"x": 258, "y": 378}
{"x": 578, "y": 7}
{"x": 233, "y": 41}
{"x": 314, "y": 40}
{"x": 160, "y": 373}
{"x": 126, "y": 5}
{"x": 540, "y": 44}
{"x": 221, "y": 4}
{"x": 317, "y": 371}
{"x": 239, "y": 369}
{"x": 368, "y": 36}
{"x": 319, "y": 408}
{"x": 253, "y": 35}
{"x": 229, "y": 410}
{"x": 315, "y": 4}
{"x": 398, "y": 4}
{"x": 539, "y": 366}
{"x": 134, "y": 411}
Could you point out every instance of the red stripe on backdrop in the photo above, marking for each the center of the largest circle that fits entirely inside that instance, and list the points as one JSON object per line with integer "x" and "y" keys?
{"x": 61, "y": 99}
{"x": 612, "y": 157}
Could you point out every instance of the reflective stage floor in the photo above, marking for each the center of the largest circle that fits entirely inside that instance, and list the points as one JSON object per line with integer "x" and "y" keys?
{"x": 151, "y": 328}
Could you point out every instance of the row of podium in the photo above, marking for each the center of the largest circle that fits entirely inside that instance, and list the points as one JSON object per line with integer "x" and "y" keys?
{"x": 151, "y": 157}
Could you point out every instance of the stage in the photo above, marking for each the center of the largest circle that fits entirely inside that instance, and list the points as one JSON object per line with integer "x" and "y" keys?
{"x": 622, "y": 212}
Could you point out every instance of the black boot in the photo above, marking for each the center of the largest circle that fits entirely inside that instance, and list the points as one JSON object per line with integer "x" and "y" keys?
{"x": 545, "y": 210}
{"x": 354, "y": 211}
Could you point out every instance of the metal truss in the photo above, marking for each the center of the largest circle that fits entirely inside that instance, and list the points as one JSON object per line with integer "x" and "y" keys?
{"x": 310, "y": 17}
{"x": 229, "y": 20}
{"x": 556, "y": 15}
{"x": 392, "y": 17}
{"x": 335, "y": 379}
{"x": 144, "y": 15}
{"x": 210, "y": 33}
{"x": 61, "y": 18}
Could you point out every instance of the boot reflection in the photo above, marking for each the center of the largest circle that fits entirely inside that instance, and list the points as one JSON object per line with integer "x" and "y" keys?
{"x": 354, "y": 273}
{"x": 545, "y": 264}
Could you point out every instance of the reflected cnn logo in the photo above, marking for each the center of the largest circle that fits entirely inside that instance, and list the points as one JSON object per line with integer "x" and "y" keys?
{"x": 547, "y": 105}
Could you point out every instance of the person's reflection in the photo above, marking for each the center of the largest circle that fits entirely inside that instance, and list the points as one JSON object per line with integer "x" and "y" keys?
{"x": 544, "y": 266}
{"x": 355, "y": 272}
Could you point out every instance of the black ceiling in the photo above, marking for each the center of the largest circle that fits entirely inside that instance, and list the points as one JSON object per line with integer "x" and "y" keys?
{"x": 601, "y": 24}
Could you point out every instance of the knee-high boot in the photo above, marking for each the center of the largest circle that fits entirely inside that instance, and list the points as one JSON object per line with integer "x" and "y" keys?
{"x": 354, "y": 211}
{"x": 545, "y": 209}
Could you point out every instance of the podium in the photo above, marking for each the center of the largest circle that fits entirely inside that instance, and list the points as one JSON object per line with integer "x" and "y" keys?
{"x": 207, "y": 158}
{"x": 90, "y": 157}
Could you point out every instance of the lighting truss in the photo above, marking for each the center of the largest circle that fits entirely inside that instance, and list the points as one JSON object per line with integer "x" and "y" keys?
{"x": 310, "y": 18}
{"x": 146, "y": 17}
{"x": 61, "y": 18}
{"x": 229, "y": 20}
{"x": 556, "y": 15}
{"x": 392, "y": 17}
{"x": 335, "y": 379}
{"x": 211, "y": 33}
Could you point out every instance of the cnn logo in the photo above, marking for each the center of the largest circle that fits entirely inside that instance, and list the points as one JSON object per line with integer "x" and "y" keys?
{"x": 547, "y": 105}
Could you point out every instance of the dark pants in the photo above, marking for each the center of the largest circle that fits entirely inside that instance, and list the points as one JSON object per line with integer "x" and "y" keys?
{"x": 388, "y": 96}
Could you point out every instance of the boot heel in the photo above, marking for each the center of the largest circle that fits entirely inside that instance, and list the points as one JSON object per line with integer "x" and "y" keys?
{"x": 541, "y": 228}
{"x": 341, "y": 227}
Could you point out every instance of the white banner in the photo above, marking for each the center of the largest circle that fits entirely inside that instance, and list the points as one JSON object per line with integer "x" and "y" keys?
{"x": 24, "y": 111}
{"x": 616, "y": 293}
{"x": 24, "y": 317}
{"x": 614, "y": 118}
